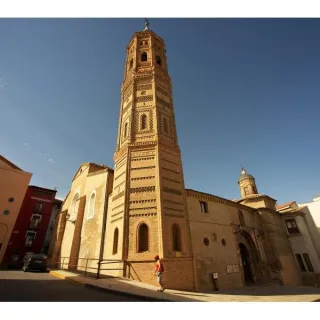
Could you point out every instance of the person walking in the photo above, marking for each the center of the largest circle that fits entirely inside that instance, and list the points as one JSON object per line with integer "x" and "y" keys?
{"x": 159, "y": 271}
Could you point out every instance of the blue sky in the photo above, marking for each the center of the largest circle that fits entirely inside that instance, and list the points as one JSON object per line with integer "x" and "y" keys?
{"x": 246, "y": 91}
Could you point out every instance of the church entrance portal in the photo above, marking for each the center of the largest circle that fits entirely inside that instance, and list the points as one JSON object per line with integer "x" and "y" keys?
{"x": 245, "y": 257}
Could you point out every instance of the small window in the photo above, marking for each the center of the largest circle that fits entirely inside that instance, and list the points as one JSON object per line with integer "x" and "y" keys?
{"x": 144, "y": 57}
{"x": 11, "y": 199}
{"x": 308, "y": 262}
{"x": 35, "y": 221}
{"x": 165, "y": 125}
{"x": 176, "y": 237}
{"x": 125, "y": 129}
{"x": 246, "y": 190}
{"x": 131, "y": 64}
{"x": 30, "y": 237}
{"x": 292, "y": 226}
{"x": 143, "y": 238}
{"x": 206, "y": 241}
{"x": 254, "y": 189}
{"x": 6, "y": 212}
{"x": 143, "y": 122}
{"x": 38, "y": 208}
{"x": 300, "y": 263}
{"x": 115, "y": 241}
{"x": 92, "y": 202}
{"x": 158, "y": 60}
{"x": 223, "y": 241}
{"x": 241, "y": 218}
{"x": 204, "y": 206}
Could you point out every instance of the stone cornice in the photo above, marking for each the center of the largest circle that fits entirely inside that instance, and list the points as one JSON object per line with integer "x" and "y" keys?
{"x": 256, "y": 197}
{"x": 210, "y": 197}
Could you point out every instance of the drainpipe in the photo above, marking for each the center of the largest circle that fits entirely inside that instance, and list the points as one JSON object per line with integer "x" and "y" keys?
{"x": 104, "y": 222}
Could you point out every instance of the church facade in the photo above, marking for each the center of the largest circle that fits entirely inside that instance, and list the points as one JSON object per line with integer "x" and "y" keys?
{"x": 141, "y": 208}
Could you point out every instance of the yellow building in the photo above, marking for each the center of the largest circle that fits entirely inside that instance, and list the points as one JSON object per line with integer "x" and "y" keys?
{"x": 13, "y": 186}
{"x": 142, "y": 209}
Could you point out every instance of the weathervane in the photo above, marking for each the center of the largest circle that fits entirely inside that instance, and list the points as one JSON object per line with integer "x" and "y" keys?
{"x": 146, "y": 25}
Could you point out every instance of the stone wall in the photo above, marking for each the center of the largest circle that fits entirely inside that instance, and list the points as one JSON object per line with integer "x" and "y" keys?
{"x": 178, "y": 273}
{"x": 311, "y": 279}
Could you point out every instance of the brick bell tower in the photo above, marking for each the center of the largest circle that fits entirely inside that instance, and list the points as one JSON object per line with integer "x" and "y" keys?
{"x": 148, "y": 215}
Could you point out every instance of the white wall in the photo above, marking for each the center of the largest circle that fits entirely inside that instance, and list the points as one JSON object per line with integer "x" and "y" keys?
{"x": 314, "y": 209}
{"x": 303, "y": 243}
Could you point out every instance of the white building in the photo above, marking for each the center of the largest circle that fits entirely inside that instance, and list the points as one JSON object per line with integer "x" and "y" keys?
{"x": 303, "y": 236}
{"x": 314, "y": 209}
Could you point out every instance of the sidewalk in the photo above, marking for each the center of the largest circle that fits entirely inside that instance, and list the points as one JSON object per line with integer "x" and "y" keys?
{"x": 272, "y": 293}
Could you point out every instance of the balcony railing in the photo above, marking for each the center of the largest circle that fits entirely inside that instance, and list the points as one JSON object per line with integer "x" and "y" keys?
{"x": 33, "y": 226}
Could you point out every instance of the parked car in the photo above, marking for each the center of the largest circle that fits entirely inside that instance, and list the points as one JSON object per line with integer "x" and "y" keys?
{"x": 14, "y": 262}
{"x": 35, "y": 262}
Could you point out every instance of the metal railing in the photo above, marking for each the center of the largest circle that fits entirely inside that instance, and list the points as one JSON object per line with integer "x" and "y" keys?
{"x": 127, "y": 266}
{"x": 66, "y": 263}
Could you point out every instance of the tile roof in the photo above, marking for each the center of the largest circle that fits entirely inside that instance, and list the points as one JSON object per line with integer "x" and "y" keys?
{"x": 281, "y": 206}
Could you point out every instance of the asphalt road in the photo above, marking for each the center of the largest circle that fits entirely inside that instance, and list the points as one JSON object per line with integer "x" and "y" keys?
{"x": 19, "y": 286}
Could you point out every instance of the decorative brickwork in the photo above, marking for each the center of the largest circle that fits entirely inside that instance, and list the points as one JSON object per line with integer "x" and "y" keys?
{"x": 146, "y": 129}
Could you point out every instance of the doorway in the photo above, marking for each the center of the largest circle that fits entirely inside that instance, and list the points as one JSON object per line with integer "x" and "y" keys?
{"x": 245, "y": 257}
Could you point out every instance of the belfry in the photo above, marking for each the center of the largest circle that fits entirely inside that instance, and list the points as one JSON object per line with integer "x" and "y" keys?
{"x": 148, "y": 212}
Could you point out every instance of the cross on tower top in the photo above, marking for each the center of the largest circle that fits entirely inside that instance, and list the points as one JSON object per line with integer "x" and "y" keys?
{"x": 146, "y": 25}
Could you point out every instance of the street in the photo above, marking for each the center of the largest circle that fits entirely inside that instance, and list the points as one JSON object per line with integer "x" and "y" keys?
{"x": 18, "y": 286}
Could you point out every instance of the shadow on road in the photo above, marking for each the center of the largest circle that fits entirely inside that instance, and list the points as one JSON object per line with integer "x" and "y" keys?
{"x": 51, "y": 290}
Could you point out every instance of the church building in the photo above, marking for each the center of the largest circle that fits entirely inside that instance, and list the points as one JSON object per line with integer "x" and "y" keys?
{"x": 127, "y": 215}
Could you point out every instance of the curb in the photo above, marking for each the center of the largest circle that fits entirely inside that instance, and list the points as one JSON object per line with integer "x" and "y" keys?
{"x": 107, "y": 290}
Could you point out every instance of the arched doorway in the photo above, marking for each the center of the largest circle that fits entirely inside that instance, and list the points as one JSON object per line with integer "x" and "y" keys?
{"x": 245, "y": 258}
{"x": 250, "y": 258}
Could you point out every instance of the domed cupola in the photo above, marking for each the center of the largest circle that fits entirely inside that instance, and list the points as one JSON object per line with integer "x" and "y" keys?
{"x": 247, "y": 184}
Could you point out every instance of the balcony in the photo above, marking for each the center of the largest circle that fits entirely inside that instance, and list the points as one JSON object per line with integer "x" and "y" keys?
{"x": 33, "y": 226}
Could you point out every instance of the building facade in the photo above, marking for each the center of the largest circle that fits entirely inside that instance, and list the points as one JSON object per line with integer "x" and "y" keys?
{"x": 142, "y": 209}
{"x": 303, "y": 235}
{"x": 313, "y": 208}
{"x": 50, "y": 234}
{"x": 13, "y": 186}
{"x": 31, "y": 225}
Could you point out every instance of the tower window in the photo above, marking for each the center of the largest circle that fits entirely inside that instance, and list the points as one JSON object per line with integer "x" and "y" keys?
{"x": 158, "y": 60}
{"x": 204, "y": 207}
{"x": 241, "y": 218}
{"x": 143, "y": 122}
{"x": 246, "y": 190}
{"x": 143, "y": 238}
{"x": 165, "y": 125}
{"x": 176, "y": 237}
{"x": 115, "y": 241}
{"x": 131, "y": 63}
{"x": 125, "y": 129}
{"x": 144, "y": 57}
{"x": 254, "y": 189}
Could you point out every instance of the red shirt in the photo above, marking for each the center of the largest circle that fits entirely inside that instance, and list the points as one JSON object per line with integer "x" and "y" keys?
{"x": 159, "y": 267}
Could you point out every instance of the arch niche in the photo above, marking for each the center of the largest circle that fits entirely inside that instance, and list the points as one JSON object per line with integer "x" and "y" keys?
{"x": 74, "y": 206}
{"x": 249, "y": 258}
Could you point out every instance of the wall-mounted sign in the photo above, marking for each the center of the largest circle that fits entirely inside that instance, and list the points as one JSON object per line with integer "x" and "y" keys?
{"x": 215, "y": 275}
